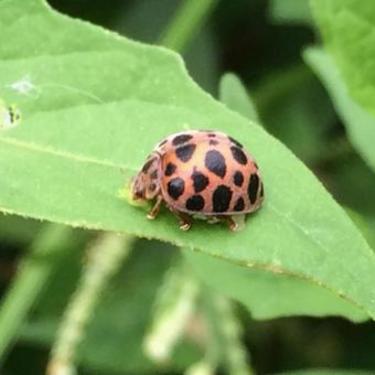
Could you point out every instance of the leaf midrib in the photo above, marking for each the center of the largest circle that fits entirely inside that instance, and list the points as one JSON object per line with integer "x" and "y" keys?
{"x": 63, "y": 154}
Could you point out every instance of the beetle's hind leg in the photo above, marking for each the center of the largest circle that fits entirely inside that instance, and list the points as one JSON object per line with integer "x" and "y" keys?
{"x": 231, "y": 223}
{"x": 234, "y": 223}
{"x": 156, "y": 208}
{"x": 184, "y": 219}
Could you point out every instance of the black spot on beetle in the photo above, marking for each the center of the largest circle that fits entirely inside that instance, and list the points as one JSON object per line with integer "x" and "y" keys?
{"x": 152, "y": 187}
{"x": 240, "y": 204}
{"x": 215, "y": 163}
{"x": 147, "y": 165}
{"x": 238, "y": 155}
{"x": 252, "y": 189}
{"x": 195, "y": 203}
{"x": 211, "y": 135}
{"x": 154, "y": 174}
{"x": 184, "y": 153}
{"x": 176, "y": 187}
{"x": 235, "y": 142}
{"x": 221, "y": 198}
{"x": 180, "y": 139}
{"x": 200, "y": 181}
{"x": 213, "y": 142}
{"x": 170, "y": 169}
{"x": 238, "y": 178}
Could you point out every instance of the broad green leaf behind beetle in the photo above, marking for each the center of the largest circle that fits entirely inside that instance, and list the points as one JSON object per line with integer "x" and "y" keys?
{"x": 346, "y": 67}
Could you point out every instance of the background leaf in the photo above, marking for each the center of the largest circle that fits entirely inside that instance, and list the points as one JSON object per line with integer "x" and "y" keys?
{"x": 290, "y": 11}
{"x": 145, "y": 21}
{"x": 18, "y": 230}
{"x": 234, "y": 94}
{"x": 347, "y": 28}
{"x": 287, "y": 102}
{"x": 360, "y": 123}
{"x": 32, "y": 277}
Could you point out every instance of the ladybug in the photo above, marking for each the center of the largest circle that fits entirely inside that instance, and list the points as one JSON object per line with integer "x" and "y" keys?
{"x": 207, "y": 174}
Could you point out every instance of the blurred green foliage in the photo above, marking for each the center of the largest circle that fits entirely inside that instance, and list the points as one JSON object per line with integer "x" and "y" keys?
{"x": 262, "y": 43}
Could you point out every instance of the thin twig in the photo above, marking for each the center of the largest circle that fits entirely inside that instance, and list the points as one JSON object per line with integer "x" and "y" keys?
{"x": 186, "y": 23}
{"x": 105, "y": 257}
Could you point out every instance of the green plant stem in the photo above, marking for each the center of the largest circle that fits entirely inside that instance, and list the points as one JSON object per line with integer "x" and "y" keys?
{"x": 279, "y": 84}
{"x": 225, "y": 336}
{"x": 186, "y": 23}
{"x": 174, "y": 307}
{"x": 32, "y": 277}
{"x": 235, "y": 96}
{"x": 105, "y": 257}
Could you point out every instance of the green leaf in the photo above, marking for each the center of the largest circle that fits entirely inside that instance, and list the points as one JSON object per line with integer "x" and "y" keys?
{"x": 18, "y": 230}
{"x": 359, "y": 197}
{"x": 144, "y": 21}
{"x": 347, "y": 28}
{"x": 186, "y": 23}
{"x": 32, "y": 277}
{"x": 290, "y": 11}
{"x": 95, "y": 105}
{"x": 359, "y": 122}
{"x": 234, "y": 94}
{"x": 287, "y": 102}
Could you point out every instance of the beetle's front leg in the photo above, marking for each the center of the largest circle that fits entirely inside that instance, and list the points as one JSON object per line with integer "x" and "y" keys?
{"x": 155, "y": 210}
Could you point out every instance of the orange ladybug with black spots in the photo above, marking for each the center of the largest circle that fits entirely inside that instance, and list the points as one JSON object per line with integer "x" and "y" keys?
{"x": 200, "y": 173}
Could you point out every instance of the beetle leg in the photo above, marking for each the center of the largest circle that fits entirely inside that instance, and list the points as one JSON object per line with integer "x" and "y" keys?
{"x": 231, "y": 223}
{"x": 155, "y": 210}
{"x": 184, "y": 220}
